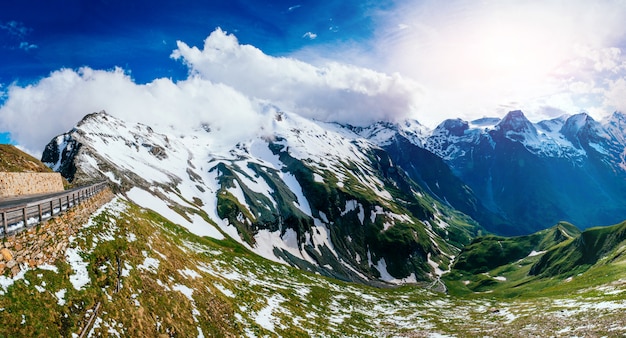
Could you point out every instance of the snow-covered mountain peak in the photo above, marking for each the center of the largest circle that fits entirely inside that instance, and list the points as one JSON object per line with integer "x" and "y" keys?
{"x": 553, "y": 125}
{"x": 311, "y": 194}
{"x": 485, "y": 123}
{"x": 617, "y": 118}
{"x": 453, "y": 127}
{"x": 615, "y": 125}
{"x": 583, "y": 132}
{"x": 575, "y": 123}
{"x": 383, "y": 133}
{"x": 515, "y": 122}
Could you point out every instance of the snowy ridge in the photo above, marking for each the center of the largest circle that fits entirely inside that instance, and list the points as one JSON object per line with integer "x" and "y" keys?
{"x": 264, "y": 191}
{"x": 559, "y": 137}
{"x": 556, "y": 137}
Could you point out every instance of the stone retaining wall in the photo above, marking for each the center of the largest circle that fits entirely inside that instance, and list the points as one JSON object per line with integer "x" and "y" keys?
{"x": 46, "y": 243}
{"x": 16, "y": 184}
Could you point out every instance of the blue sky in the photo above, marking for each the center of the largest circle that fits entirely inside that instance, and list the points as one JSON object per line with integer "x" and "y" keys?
{"x": 38, "y": 37}
{"x": 343, "y": 61}
{"x": 42, "y": 36}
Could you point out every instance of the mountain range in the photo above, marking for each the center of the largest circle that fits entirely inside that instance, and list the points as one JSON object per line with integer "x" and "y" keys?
{"x": 389, "y": 202}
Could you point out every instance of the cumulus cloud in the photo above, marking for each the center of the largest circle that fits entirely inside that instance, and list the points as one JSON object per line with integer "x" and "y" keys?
{"x": 615, "y": 95}
{"x": 333, "y": 92}
{"x": 36, "y": 113}
{"x": 230, "y": 87}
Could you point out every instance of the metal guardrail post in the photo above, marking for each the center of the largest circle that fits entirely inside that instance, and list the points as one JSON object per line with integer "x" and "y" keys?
{"x": 4, "y": 223}
{"x": 78, "y": 196}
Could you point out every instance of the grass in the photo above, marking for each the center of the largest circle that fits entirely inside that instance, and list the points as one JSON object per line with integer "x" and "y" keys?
{"x": 222, "y": 289}
{"x": 15, "y": 160}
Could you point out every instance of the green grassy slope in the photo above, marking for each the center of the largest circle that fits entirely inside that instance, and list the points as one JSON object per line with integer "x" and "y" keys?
{"x": 153, "y": 278}
{"x": 554, "y": 262}
{"x": 488, "y": 252}
{"x": 15, "y": 160}
{"x": 583, "y": 252}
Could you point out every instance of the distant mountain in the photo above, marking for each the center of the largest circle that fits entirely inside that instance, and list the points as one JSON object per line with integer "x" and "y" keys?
{"x": 534, "y": 174}
{"x": 489, "y": 252}
{"x": 404, "y": 142}
{"x": 313, "y": 195}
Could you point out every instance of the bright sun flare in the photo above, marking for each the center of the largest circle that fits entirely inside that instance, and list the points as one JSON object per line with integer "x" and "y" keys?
{"x": 508, "y": 51}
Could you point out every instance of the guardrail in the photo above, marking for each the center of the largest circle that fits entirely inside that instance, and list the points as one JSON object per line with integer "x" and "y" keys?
{"x": 18, "y": 218}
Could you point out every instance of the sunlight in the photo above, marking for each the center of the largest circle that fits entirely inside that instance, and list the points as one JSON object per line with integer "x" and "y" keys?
{"x": 509, "y": 51}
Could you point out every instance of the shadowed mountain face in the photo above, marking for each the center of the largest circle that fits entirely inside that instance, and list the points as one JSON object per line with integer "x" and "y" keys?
{"x": 533, "y": 175}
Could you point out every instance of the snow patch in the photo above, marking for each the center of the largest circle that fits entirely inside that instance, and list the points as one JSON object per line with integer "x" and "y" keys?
{"x": 302, "y": 203}
{"x": 224, "y": 290}
{"x": 189, "y": 273}
{"x": 267, "y": 241}
{"x": 197, "y": 226}
{"x": 350, "y": 206}
{"x": 149, "y": 264}
{"x": 381, "y": 266}
{"x": 48, "y": 267}
{"x": 535, "y": 253}
{"x": 318, "y": 178}
{"x": 80, "y": 277}
{"x": 60, "y": 296}
{"x": 435, "y": 266}
{"x": 264, "y": 317}
{"x": 185, "y": 290}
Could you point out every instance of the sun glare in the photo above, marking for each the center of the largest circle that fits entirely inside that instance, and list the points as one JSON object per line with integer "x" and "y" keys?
{"x": 509, "y": 51}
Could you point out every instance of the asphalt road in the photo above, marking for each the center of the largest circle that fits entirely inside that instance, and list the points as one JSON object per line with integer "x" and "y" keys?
{"x": 11, "y": 202}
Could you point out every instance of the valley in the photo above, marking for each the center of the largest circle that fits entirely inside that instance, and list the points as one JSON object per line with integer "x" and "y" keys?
{"x": 313, "y": 229}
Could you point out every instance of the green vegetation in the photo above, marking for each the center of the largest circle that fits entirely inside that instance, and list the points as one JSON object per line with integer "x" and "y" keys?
{"x": 488, "y": 252}
{"x": 154, "y": 278}
{"x": 15, "y": 160}
{"x": 555, "y": 262}
{"x": 583, "y": 252}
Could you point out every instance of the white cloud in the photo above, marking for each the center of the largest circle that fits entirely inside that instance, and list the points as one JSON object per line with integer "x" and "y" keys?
{"x": 292, "y": 8}
{"x": 27, "y": 46}
{"x": 230, "y": 87}
{"x": 310, "y": 35}
{"x": 16, "y": 32}
{"x": 15, "y": 28}
{"x": 615, "y": 96}
{"x": 474, "y": 56}
{"x": 333, "y": 92}
{"x": 36, "y": 113}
